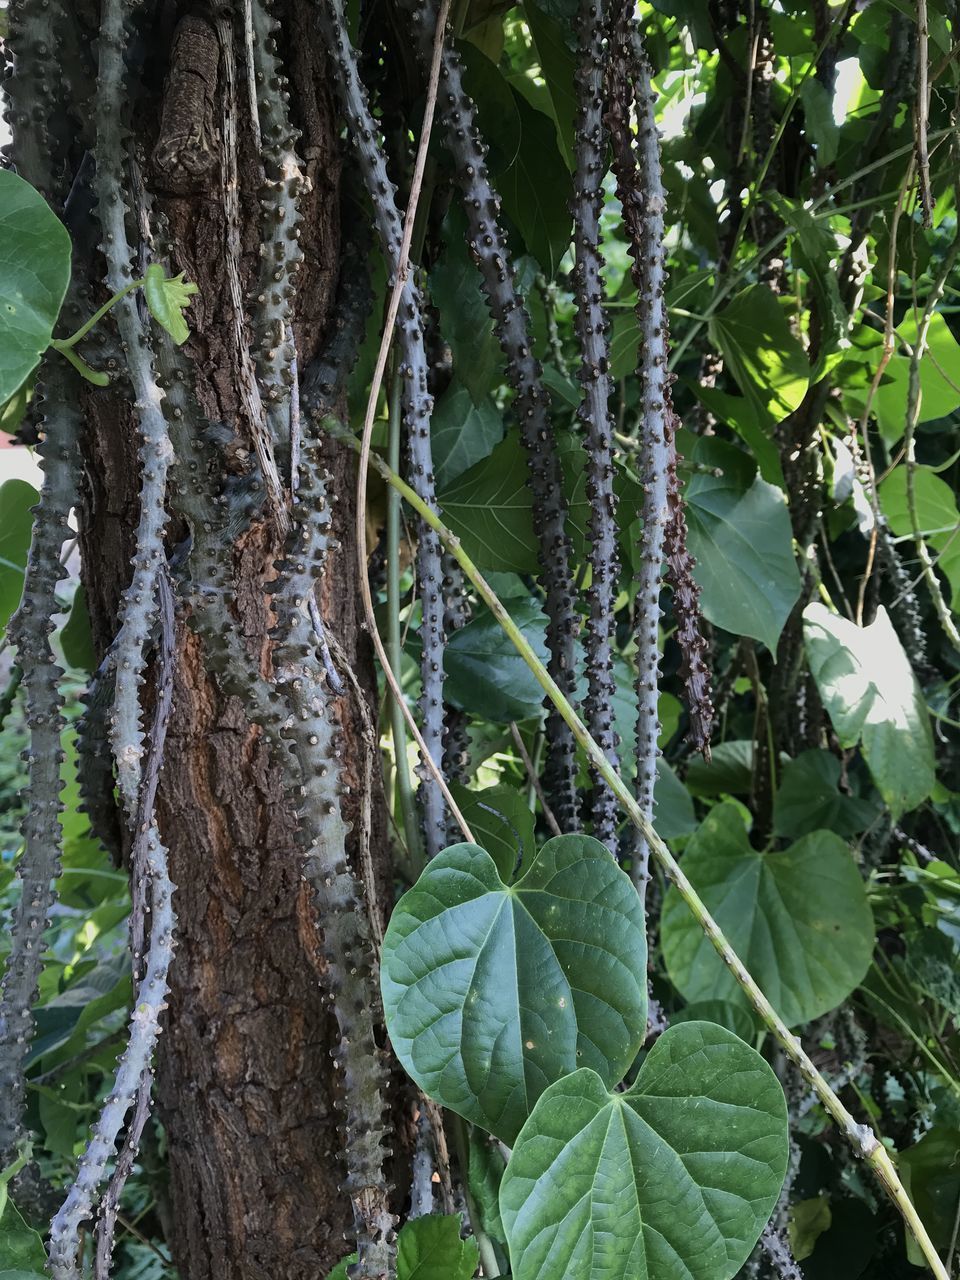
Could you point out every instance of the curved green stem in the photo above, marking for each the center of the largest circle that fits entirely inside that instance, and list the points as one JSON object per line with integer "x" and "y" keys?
{"x": 860, "y": 1137}
{"x": 90, "y": 375}
{"x": 64, "y": 344}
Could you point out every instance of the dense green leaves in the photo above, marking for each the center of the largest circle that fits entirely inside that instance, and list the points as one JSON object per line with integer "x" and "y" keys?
{"x": 742, "y": 541}
{"x": 491, "y": 993}
{"x": 765, "y": 358}
{"x": 798, "y": 919}
{"x": 463, "y": 432}
{"x": 677, "y": 1176}
{"x": 34, "y": 274}
{"x": 872, "y": 696}
{"x": 809, "y": 799}
{"x": 486, "y": 675}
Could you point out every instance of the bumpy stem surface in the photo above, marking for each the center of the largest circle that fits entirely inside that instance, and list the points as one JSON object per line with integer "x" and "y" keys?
{"x": 417, "y": 402}
{"x": 594, "y": 410}
{"x": 487, "y": 241}
{"x": 30, "y": 630}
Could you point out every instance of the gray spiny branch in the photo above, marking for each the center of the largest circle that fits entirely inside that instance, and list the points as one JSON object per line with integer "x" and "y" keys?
{"x": 134, "y": 1070}
{"x": 34, "y": 91}
{"x": 248, "y": 386}
{"x": 663, "y": 491}
{"x": 417, "y": 402}
{"x": 280, "y": 252}
{"x": 138, "y": 610}
{"x": 141, "y": 887}
{"x": 134, "y": 1064}
{"x": 640, "y": 188}
{"x": 349, "y": 953}
{"x": 488, "y": 245}
{"x": 594, "y": 410}
{"x": 30, "y": 630}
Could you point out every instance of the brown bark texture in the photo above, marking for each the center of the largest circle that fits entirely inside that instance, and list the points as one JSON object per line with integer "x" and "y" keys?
{"x": 246, "y": 1084}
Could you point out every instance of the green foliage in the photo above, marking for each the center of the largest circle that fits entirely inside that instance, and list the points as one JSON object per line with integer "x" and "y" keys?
{"x": 872, "y": 696}
{"x": 605, "y": 1185}
{"x": 492, "y": 991}
{"x": 428, "y": 1248}
{"x": 830, "y": 805}
{"x": 740, "y": 535}
{"x": 34, "y": 275}
{"x": 168, "y": 298}
{"x": 798, "y": 919}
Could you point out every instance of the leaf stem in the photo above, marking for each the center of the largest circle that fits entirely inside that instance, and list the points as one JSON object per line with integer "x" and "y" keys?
{"x": 860, "y": 1137}
{"x": 64, "y": 344}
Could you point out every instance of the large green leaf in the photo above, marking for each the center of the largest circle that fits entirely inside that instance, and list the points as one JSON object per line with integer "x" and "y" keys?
{"x": 674, "y": 1178}
{"x": 502, "y": 823}
{"x": 485, "y": 674}
{"x": 799, "y": 920}
{"x": 809, "y": 799}
{"x": 17, "y": 498}
{"x": 34, "y": 274}
{"x": 462, "y": 432}
{"x": 430, "y": 1248}
{"x": 464, "y": 318}
{"x": 764, "y": 356}
{"x": 537, "y": 189}
{"x": 555, "y": 45}
{"x": 743, "y": 544}
{"x": 488, "y": 508}
{"x": 872, "y": 697}
{"x": 492, "y": 993}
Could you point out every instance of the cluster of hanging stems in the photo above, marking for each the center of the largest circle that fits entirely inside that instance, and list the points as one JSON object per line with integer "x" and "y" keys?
{"x": 181, "y": 473}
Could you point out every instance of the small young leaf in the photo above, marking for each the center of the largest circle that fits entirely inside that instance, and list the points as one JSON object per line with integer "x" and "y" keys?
{"x": 34, "y": 274}
{"x": 675, "y": 1177}
{"x": 167, "y": 298}
{"x": 799, "y": 920}
{"x": 492, "y": 992}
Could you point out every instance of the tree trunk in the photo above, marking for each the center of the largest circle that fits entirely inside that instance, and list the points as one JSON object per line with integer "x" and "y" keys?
{"x": 246, "y": 1086}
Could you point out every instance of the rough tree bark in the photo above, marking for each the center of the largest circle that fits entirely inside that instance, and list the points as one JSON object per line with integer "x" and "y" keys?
{"x": 246, "y": 1081}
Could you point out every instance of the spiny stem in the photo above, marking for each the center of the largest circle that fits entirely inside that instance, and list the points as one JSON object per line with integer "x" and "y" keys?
{"x": 404, "y": 312}
{"x": 141, "y": 883}
{"x": 29, "y": 630}
{"x": 348, "y": 949}
{"x": 280, "y": 253}
{"x": 416, "y": 399}
{"x": 248, "y": 386}
{"x": 594, "y": 409}
{"x": 488, "y": 245}
{"x": 139, "y": 608}
{"x": 861, "y": 1138}
{"x": 640, "y": 188}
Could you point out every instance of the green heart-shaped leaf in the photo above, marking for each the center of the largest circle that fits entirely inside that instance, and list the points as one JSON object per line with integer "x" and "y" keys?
{"x": 493, "y": 992}
{"x": 799, "y": 920}
{"x": 34, "y": 274}
{"x": 674, "y": 1178}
